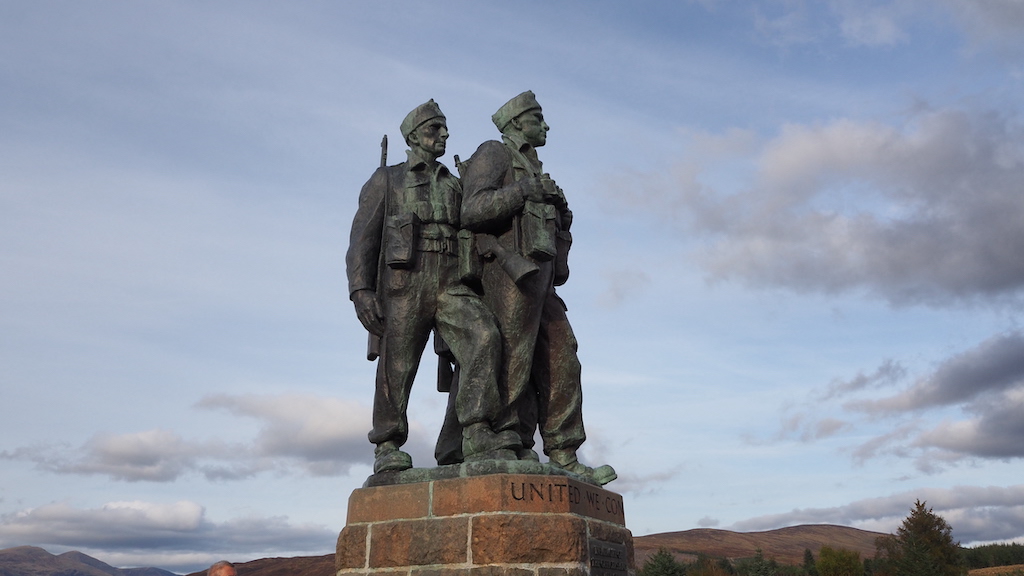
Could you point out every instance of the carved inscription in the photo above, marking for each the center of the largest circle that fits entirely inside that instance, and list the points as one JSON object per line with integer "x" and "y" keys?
{"x": 608, "y": 559}
{"x": 569, "y": 496}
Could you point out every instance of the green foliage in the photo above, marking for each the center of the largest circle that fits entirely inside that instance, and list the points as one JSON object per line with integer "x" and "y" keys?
{"x": 705, "y": 566}
{"x": 758, "y": 566}
{"x": 923, "y": 546}
{"x": 810, "y": 566}
{"x": 994, "y": 555}
{"x": 839, "y": 562}
{"x": 662, "y": 563}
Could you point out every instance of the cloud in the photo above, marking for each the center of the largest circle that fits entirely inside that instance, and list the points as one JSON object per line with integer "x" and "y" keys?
{"x": 866, "y": 25}
{"x": 986, "y": 382}
{"x": 976, "y": 513}
{"x": 926, "y": 212}
{"x": 993, "y": 22}
{"x": 995, "y": 365}
{"x": 176, "y": 535}
{"x": 327, "y": 435}
{"x": 886, "y": 374}
{"x": 995, "y": 431}
{"x": 708, "y": 522}
{"x": 315, "y": 435}
{"x": 979, "y": 393}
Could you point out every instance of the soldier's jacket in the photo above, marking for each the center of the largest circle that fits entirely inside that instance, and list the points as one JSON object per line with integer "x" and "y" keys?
{"x": 406, "y": 192}
{"x": 493, "y": 195}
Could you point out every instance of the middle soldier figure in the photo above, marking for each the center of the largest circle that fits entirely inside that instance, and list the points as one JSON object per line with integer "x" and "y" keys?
{"x": 522, "y": 223}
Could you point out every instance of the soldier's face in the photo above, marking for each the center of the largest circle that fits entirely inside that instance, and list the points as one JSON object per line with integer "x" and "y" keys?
{"x": 534, "y": 128}
{"x": 430, "y": 137}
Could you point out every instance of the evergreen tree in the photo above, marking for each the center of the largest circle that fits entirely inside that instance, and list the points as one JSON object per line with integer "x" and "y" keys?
{"x": 761, "y": 567}
{"x": 922, "y": 546}
{"x": 810, "y": 568}
{"x": 662, "y": 563}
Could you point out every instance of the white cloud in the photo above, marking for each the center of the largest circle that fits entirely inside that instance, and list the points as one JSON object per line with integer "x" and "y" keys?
{"x": 322, "y": 436}
{"x": 327, "y": 435}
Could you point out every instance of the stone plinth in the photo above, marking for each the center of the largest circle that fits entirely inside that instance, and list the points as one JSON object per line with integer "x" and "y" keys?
{"x": 489, "y": 525}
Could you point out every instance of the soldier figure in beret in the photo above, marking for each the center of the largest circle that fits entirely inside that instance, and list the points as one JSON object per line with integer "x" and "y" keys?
{"x": 508, "y": 199}
{"x": 404, "y": 281}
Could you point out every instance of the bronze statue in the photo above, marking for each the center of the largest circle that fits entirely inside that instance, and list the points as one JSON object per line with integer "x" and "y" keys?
{"x": 404, "y": 281}
{"x": 521, "y": 220}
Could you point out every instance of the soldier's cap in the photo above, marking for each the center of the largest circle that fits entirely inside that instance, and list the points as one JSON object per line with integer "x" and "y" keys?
{"x": 426, "y": 111}
{"x": 514, "y": 107}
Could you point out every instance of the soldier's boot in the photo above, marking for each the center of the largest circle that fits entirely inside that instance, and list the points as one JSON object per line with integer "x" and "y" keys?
{"x": 528, "y": 454}
{"x": 388, "y": 458}
{"x": 566, "y": 460}
{"x": 479, "y": 442}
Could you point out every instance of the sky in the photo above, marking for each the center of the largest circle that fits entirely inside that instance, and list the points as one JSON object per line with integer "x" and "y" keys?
{"x": 797, "y": 273}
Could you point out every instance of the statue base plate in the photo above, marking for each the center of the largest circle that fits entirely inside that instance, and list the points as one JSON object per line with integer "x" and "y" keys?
{"x": 498, "y": 524}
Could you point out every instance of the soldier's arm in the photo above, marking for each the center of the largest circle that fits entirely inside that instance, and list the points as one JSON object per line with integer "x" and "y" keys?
{"x": 488, "y": 201}
{"x": 364, "y": 245}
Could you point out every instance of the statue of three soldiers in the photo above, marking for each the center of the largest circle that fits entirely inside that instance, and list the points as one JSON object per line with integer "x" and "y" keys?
{"x": 475, "y": 261}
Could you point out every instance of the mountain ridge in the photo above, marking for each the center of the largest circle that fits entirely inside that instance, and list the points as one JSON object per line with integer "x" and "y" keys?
{"x": 786, "y": 545}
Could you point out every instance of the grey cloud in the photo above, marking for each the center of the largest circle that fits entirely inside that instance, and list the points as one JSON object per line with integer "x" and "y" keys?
{"x": 890, "y": 443}
{"x": 996, "y": 364}
{"x": 708, "y": 522}
{"x": 927, "y": 212}
{"x": 159, "y": 532}
{"x": 152, "y": 455}
{"x": 996, "y": 431}
{"x": 977, "y": 513}
{"x": 887, "y": 373}
{"x": 999, "y": 22}
{"x": 807, "y": 428}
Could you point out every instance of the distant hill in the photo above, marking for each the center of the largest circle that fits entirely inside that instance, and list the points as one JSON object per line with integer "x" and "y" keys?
{"x": 786, "y": 545}
{"x": 33, "y": 561}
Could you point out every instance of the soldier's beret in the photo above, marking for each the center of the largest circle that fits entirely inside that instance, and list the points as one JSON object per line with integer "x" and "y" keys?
{"x": 514, "y": 107}
{"x": 426, "y": 111}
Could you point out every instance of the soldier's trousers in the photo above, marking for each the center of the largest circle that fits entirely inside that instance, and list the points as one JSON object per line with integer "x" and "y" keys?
{"x": 540, "y": 377}
{"x": 416, "y": 300}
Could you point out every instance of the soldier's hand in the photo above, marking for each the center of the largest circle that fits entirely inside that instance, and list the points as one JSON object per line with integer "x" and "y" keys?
{"x": 554, "y": 192}
{"x": 541, "y": 189}
{"x": 533, "y": 189}
{"x": 368, "y": 311}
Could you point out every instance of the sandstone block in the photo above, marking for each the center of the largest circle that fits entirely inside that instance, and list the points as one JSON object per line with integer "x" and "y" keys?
{"x": 389, "y": 503}
{"x": 351, "y": 549}
{"x": 419, "y": 542}
{"x": 528, "y": 538}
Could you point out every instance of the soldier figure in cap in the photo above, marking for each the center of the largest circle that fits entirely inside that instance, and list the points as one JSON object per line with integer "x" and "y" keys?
{"x": 508, "y": 196}
{"x": 403, "y": 277}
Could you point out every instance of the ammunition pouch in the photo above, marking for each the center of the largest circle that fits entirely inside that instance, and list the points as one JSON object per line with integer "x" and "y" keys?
{"x": 471, "y": 268}
{"x": 537, "y": 231}
{"x": 400, "y": 240}
{"x": 563, "y": 241}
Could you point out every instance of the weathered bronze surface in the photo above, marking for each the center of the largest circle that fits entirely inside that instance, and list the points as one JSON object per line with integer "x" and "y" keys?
{"x": 478, "y": 262}
{"x": 404, "y": 281}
